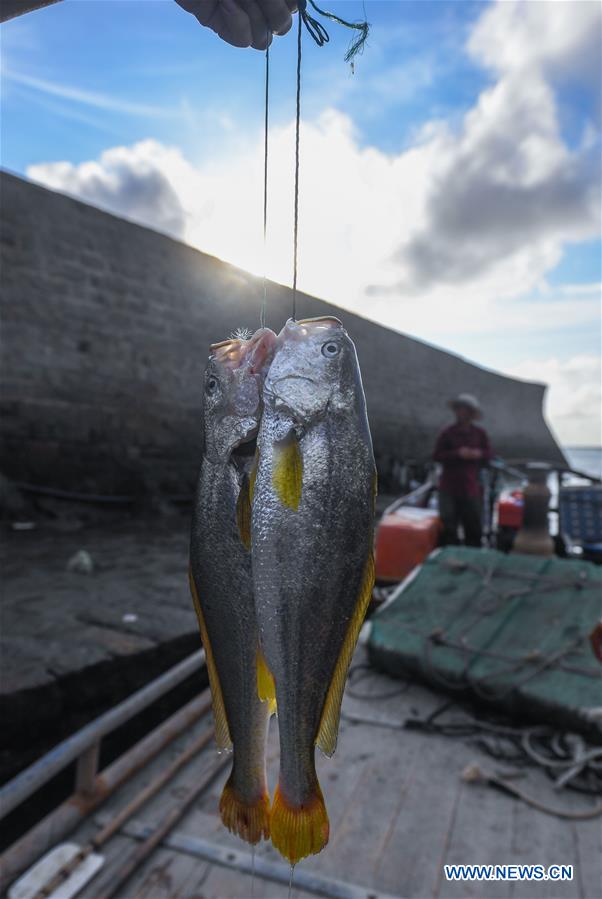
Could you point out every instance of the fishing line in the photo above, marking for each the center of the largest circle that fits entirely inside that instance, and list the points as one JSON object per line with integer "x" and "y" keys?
{"x": 264, "y": 300}
{"x": 300, "y": 19}
{"x": 321, "y": 37}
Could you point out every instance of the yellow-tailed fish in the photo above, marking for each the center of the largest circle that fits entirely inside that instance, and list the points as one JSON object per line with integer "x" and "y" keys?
{"x": 220, "y": 574}
{"x": 312, "y": 545}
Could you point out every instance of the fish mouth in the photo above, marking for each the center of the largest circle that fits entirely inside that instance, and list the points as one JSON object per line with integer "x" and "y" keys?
{"x": 320, "y": 320}
{"x": 255, "y": 352}
{"x": 307, "y": 327}
{"x": 285, "y": 378}
{"x": 246, "y": 447}
{"x": 229, "y": 353}
{"x": 261, "y": 350}
{"x": 278, "y": 402}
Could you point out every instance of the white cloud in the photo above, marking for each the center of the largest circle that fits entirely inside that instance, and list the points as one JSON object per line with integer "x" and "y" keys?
{"x": 455, "y": 230}
{"x": 131, "y": 182}
{"x": 555, "y": 36}
{"x": 357, "y": 205}
{"x": 574, "y": 397}
{"x": 505, "y": 192}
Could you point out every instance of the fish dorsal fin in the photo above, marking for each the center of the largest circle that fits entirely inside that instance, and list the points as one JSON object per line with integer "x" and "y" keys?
{"x": 266, "y": 688}
{"x": 243, "y": 512}
{"x": 331, "y": 713}
{"x": 287, "y": 472}
{"x": 222, "y": 729}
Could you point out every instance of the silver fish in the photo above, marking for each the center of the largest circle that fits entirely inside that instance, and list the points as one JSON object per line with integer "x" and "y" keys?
{"x": 312, "y": 547}
{"x": 220, "y": 574}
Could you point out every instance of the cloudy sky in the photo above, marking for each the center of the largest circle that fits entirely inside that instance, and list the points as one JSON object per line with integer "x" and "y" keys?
{"x": 450, "y": 186}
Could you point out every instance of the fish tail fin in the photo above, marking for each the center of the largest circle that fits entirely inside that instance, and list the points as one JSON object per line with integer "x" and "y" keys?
{"x": 249, "y": 820}
{"x": 299, "y": 830}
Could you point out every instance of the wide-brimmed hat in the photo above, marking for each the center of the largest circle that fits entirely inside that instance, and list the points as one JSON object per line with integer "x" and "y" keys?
{"x": 468, "y": 400}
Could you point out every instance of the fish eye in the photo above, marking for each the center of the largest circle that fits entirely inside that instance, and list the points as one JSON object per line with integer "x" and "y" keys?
{"x": 211, "y": 385}
{"x": 330, "y": 349}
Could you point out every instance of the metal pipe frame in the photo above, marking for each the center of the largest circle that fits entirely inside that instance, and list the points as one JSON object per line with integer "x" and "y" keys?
{"x": 118, "y": 876}
{"x": 117, "y": 821}
{"x": 66, "y": 816}
{"x": 310, "y": 881}
{"x": 27, "y": 782}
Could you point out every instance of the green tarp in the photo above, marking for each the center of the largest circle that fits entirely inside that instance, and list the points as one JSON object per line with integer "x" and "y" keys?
{"x": 510, "y": 630}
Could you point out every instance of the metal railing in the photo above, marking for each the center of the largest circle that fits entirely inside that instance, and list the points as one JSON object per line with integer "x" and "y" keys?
{"x": 84, "y": 745}
{"x": 91, "y": 786}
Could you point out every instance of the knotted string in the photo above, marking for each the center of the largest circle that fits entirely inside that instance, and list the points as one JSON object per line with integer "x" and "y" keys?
{"x": 321, "y": 36}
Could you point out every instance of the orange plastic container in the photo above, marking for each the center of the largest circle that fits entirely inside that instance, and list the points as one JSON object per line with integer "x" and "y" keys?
{"x": 404, "y": 539}
{"x": 510, "y": 510}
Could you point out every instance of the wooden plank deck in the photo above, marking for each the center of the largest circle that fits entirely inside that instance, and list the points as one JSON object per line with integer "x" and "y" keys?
{"x": 399, "y": 811}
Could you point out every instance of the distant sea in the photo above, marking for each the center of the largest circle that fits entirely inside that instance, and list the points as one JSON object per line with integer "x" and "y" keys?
{"x": 585, "y": 458}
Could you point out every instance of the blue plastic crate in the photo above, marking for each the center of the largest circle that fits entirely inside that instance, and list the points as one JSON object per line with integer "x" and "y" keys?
{"x": 581, "y": 516}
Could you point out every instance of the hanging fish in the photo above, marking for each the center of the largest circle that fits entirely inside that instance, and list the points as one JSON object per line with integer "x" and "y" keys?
{"x": 312, "y": 545}
{"x": 220, "y": 574}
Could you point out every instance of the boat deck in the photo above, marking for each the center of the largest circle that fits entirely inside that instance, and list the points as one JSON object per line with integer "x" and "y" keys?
{"x": 399, "y": 810}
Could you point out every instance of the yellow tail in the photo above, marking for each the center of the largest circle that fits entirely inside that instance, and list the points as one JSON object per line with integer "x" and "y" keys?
{"x": 250, "y": 822}
{"x": 298, "y": 831}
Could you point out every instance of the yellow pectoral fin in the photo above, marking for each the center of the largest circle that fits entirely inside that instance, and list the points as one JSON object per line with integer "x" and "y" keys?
{"x": 222, "y": 729}
{"x": 266, "y": 688}
{"x": 243, "y": 513}
{"x": 287, "y": 472}
{"x": 331, "y": 713}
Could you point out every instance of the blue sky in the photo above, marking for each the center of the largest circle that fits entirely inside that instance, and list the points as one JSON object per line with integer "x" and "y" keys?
{"x": 150, "y": 53}
{"x": 453, "y": 176}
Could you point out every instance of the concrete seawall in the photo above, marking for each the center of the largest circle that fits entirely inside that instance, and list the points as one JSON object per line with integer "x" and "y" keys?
{"x": 106, "y": 327}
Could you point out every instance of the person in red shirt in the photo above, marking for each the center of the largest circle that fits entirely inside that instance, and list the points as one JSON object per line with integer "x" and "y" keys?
{"x": 462, "y": 448}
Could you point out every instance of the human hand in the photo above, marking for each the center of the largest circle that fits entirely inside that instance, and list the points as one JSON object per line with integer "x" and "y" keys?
{"x": 468, "y": 452}
{"x": 243, "y": 23}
